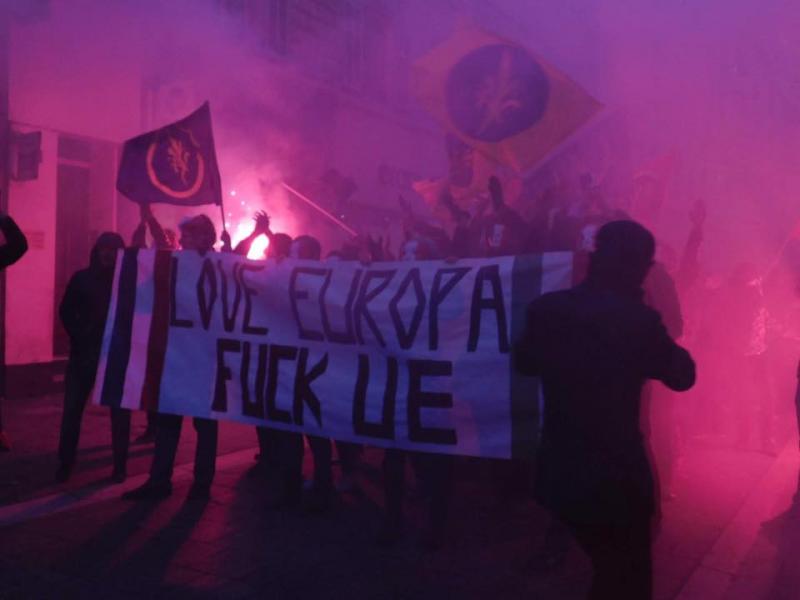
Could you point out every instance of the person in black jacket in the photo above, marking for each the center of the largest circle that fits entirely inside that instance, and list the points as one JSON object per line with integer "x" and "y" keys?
{"x": 83, "y": 313}
{"x": 594, "y": 346}
{"x": 16, "y": 245}
{"x": 197, "y": 234}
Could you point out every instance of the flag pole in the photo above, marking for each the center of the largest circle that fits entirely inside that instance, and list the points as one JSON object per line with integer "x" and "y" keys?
{"x": 226, "y": 236}
{"x": 317, "y": 207}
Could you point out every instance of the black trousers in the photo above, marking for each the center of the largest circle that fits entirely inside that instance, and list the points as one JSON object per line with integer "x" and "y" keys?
{"x": 291, "y": 450}
{"x": 290, "y": 461}
{"x": 621, "y": 558}
{"x": 168, "y": 434}
{"x": 77, "y": 387}
{"x": 435, "y": 472}
{"x": 348, "y": 453}
{"x": 268, "y": 449}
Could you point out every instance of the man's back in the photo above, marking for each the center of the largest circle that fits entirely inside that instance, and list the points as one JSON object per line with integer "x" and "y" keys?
{"x": 593, "y": 347}
{"x": 593, "y": 350}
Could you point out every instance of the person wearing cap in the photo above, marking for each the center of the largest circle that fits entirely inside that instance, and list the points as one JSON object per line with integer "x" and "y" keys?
{"x": 594, "y": 346}
{"x": 197, "y": 234}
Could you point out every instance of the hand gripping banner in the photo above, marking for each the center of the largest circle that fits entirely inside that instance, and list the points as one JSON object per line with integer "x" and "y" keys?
{"x": 411, "y": 355}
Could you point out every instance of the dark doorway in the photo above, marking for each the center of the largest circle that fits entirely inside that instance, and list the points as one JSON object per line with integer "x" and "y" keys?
{"x": 72, "y": 238}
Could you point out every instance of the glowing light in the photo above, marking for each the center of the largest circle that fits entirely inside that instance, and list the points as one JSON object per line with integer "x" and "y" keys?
{"x": 233, "y": 192}
{"x": 259, "y": 247}
{"x": 242, "y": 202}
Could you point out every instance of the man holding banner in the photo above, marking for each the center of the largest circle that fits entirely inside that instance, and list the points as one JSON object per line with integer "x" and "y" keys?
{"x": 175, "y": 164}
{"x": 197, "y": 234}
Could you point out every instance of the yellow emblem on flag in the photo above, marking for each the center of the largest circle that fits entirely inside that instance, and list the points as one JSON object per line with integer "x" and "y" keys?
{"x": 499, "y": 98}
{"x": 178, "y": 157}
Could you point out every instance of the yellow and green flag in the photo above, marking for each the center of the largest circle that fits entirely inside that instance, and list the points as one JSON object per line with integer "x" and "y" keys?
{"x": 499, "y": 98}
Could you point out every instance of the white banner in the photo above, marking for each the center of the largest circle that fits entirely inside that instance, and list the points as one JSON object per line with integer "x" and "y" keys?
{"x": 413, "y": 355}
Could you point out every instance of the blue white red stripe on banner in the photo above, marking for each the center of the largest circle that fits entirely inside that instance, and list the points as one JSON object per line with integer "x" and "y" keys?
{"x": 413, "y": 355}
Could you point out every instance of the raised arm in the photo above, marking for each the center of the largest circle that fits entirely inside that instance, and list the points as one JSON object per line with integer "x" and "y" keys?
{"x": 159, "y": 237}
{"x": 664, "y": 359}
{"x": 139, "y": 237}
{"x": 261, "y": 227}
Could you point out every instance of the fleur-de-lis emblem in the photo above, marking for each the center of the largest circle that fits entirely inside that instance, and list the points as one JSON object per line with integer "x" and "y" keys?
{"x": 498, "y": 94}
{"x": 178, "y": 158}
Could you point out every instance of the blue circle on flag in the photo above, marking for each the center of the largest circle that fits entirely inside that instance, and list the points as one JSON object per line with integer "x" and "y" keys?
{"x": 496, "y": 92}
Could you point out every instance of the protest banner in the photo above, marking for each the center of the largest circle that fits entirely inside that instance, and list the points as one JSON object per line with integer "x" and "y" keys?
{"x": 412, "y": 355}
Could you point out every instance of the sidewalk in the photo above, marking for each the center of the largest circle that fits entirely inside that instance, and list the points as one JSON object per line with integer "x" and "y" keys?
{"x": 81, "y": 541}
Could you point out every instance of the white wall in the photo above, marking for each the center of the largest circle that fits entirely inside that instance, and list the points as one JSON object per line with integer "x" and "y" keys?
{"x": 60, "y": 80}
{"x": 30, "y": 282}
{"x": 64, "y": 79}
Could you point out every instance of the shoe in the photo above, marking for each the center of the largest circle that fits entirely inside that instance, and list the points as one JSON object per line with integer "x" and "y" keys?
{"x": 149, "y": 491}
{"x": 119, "y": 475}
{"x": 5, "y": 443}
{"x": 199, "y": 491}
{"x": 63, "y": 473}
{"x": 148, "y": 437}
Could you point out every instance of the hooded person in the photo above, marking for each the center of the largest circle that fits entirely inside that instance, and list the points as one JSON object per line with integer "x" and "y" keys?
{"x": 198, "y": 234}
{"x": 594, "y": 346}
{"x": 83, "y": 312}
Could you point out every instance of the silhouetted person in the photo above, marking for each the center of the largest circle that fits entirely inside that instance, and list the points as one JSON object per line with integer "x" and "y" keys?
{"x": 593, "y": 347}
{"x": 290, "y": 444}
{"x": 83, "y": 313}
{"x": 742, "y": 320}
{"x": 163, "y": 239}
{"x": 198, "y": 234}
{"x": 267, "y": 460}
{"x": 15, "y": 246}
{"x": 503, "y": 229}
{"x": 433, "y": 471}
{"x": 260, "y": 227}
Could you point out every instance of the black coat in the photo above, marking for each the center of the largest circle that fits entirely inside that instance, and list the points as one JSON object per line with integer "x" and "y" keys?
{"x": 594, "y": 350}
{"x": 83, "y": 312}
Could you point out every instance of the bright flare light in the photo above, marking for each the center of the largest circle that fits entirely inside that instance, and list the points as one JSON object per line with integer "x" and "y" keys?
{"x": 259, "y": 245}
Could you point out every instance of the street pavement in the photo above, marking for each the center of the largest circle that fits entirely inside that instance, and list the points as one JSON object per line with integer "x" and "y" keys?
{"x": 730, "y": 531}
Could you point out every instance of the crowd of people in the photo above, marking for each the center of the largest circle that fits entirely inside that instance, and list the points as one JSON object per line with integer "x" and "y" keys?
{"x": 611, "y": 435}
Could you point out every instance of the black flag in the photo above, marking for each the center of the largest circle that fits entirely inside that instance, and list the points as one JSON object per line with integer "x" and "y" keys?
{"x": 176, "y": 164}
